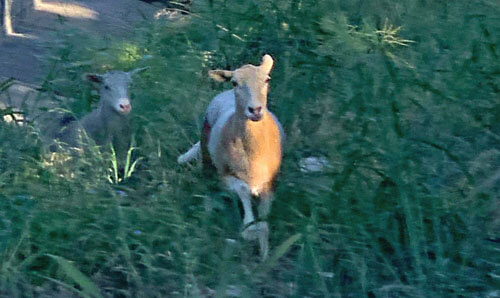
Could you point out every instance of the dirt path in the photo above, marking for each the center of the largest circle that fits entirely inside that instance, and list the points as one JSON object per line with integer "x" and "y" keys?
{"x": 37, "y": 20}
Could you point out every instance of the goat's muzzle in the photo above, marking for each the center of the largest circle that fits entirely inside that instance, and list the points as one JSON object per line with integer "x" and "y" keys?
{"x": 125, "y": 108}
{"x": 255, "y": 114}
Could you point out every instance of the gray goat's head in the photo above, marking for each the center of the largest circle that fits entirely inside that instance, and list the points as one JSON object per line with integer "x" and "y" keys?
{"x": 113, "y": 89}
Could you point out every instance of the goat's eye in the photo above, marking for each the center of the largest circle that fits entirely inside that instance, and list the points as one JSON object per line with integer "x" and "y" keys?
{"x": 235, "y": 84}
{"x": 106, "y": 87}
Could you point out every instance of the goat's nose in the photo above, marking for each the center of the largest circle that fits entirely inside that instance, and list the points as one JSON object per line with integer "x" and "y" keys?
{"x": 255, "y": 110}
{"x": 125, "y": 107}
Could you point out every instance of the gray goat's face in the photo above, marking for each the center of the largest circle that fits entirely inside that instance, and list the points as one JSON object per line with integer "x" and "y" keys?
{"x": 113, "y": 89}
{"x": 251, "y": 84}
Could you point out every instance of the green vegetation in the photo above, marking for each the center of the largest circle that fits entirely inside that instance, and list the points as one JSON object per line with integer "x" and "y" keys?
{"x": 402, "y": 98}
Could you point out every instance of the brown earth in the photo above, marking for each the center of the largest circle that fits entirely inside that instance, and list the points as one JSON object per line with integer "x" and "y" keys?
{"x": 36, "y": 21}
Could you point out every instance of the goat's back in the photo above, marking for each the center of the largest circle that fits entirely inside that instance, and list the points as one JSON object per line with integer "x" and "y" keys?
{"x": 222, "y": 103}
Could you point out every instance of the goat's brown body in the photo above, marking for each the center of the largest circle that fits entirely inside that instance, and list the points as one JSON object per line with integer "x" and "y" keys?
{"x": 250, "y": 151}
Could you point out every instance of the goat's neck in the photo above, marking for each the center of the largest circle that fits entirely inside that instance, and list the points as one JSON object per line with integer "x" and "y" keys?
{"x": 247, "y": 129}
{"x": 107, "y": 115}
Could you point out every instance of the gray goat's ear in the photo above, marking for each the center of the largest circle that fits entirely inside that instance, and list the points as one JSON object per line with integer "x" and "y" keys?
{"x": 221, "y": 75}
{"x": 92, "y": 77}
{"x": 138, "y": 70}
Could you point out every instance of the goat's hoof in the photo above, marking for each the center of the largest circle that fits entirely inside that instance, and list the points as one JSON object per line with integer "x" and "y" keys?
{"x": 258, "y": 230}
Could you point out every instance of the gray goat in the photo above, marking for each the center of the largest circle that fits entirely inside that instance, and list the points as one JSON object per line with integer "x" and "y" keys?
{"x": 109, "y": 123}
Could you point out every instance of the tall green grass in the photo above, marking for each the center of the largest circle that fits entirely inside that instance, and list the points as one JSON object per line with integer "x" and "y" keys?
{"x": 402, "y": 98}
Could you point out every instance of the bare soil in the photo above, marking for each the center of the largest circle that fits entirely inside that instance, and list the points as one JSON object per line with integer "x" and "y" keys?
{"x": 36, "y": 21}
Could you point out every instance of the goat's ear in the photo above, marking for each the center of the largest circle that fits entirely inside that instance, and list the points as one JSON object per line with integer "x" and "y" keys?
{"x": 267, "y": 63}
{"x": 221, "y": 75}
{"x": 138, "y": 70}
{"x": 92, "y": 77}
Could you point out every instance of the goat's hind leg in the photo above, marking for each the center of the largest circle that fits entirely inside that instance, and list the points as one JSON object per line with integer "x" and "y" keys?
{"x": 264, "y": 208}
{"x": 252, "y": 230}
{"x": 208, "y": 167}
{"x": 266, "y": 200}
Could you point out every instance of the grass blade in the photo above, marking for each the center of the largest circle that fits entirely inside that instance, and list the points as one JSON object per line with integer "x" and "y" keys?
{"x": 6, "y": 84}
{"x": 132, "y": 168}
{"x": 114, "y": 163}
{"x": 278, "y": 252}
{"x": 89, "y": 289}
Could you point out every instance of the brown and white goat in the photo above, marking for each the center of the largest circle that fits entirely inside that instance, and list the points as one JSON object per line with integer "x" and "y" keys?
{"x": 244, "y": 141}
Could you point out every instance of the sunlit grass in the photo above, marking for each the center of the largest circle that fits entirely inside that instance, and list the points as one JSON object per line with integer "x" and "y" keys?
{"x": 129, "y": 166}
{"x": 129, "y": 53}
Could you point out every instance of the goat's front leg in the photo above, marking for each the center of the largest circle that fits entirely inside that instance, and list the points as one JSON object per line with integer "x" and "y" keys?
{"x": 243, "y": 191}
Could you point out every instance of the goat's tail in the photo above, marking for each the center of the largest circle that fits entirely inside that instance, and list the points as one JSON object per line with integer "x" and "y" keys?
{"x": 191, "y": 154}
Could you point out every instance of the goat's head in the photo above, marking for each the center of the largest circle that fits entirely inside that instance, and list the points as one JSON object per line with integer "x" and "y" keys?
{"x": 251, "y": 85}
{"x": 113, "y": 89}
